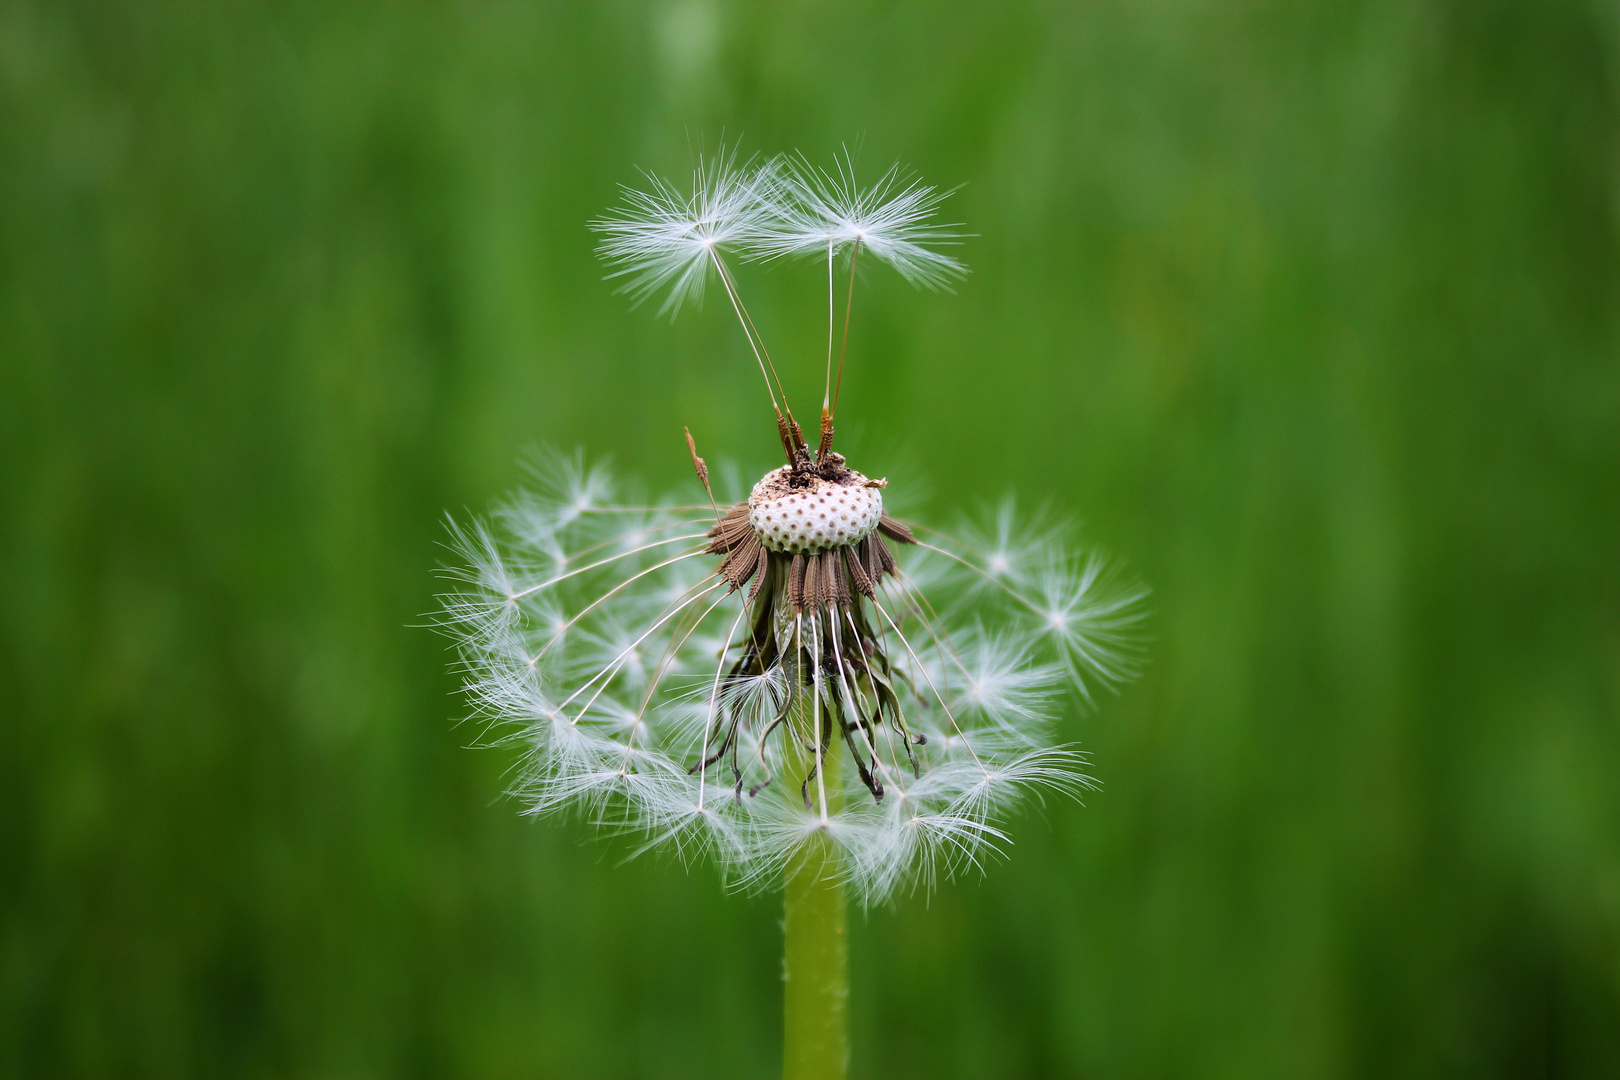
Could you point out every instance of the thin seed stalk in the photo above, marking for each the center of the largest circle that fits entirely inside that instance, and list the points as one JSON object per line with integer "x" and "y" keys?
{"x": 815, "y": 968}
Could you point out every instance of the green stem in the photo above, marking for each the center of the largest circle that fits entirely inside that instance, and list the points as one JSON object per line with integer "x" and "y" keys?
{"x": 815, "y": 970}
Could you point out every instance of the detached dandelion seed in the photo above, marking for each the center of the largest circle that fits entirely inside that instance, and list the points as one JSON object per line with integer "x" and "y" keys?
{"x": 791, "y": 682}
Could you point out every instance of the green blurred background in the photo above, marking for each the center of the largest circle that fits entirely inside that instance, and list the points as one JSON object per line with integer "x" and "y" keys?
{"x": 1309, "y": 310}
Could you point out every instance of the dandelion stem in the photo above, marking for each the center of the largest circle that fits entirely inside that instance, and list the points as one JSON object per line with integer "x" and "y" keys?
{"x": 815, "y": 968}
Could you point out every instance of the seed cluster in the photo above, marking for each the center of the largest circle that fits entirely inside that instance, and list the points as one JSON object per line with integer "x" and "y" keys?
{"x": 818, "y": 517}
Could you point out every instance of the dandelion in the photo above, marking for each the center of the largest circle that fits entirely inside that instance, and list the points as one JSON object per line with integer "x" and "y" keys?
{"x": 789, "y": 681}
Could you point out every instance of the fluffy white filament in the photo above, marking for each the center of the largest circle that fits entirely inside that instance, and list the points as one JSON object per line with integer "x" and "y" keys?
{"x": 781, "y": 206}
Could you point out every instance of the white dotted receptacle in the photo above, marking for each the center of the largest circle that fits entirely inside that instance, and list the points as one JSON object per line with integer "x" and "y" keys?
{"x": 815, "y": 518}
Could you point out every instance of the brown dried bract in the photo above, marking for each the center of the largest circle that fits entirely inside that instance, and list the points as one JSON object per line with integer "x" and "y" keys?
{"x": 834, "y": 576}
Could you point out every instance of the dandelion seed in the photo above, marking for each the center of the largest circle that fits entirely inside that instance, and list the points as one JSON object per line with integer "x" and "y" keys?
{"x": 821, "y": 213}
{"x": 664, "y": 238}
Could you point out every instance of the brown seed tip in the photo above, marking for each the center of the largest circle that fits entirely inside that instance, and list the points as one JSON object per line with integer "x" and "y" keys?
{"x": 826, "y": 437}
{"x": 698, "y": 463}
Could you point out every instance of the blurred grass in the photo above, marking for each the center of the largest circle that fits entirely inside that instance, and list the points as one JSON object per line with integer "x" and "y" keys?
{"x": 1309, "y": 309}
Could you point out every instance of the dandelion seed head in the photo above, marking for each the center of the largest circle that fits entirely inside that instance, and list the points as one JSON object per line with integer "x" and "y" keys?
{"x": 622, "y": 675}
{"x": 814, "y": 517}
{"x": 728, "y": 680}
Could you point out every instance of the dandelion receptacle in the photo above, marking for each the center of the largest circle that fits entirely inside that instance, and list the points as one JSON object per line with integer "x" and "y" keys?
{"x": 784, "y": 678}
